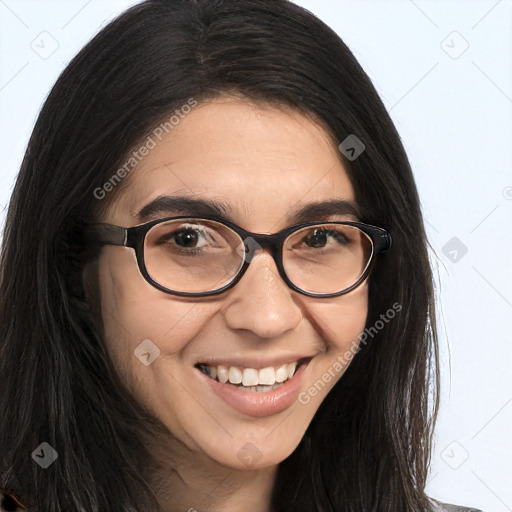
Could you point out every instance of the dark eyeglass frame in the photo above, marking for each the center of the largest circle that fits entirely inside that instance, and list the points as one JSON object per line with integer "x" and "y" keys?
{"x": 134, "y": 237}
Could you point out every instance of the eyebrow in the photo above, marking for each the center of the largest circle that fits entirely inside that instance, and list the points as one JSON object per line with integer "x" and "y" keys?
{"x": 184, "y": 205}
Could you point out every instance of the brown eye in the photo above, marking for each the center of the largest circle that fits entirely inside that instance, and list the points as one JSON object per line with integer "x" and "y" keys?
{"x": 319, "y": 238}
{"x": 186, "y": 238}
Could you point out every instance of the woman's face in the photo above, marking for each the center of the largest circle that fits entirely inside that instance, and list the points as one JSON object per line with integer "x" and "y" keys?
{"x": 263, "y": 165}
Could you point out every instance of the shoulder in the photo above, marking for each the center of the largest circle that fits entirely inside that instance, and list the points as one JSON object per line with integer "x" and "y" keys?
{"x": 446, "y": 507}
{"x": 9, "y": 504}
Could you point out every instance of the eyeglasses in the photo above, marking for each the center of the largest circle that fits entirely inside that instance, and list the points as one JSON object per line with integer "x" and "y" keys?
{"x": 201, "y": 256}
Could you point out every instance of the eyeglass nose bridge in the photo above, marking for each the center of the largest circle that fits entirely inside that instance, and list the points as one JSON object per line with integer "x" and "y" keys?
{"x": 253, "y": 242}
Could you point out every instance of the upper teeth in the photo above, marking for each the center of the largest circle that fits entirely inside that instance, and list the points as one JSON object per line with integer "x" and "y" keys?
{"x": 251, "y": 376}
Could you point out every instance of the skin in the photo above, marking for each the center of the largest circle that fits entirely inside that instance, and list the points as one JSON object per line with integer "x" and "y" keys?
{"x": 262, "y": 162}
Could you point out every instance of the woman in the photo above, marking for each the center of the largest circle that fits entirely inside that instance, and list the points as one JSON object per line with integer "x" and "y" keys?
{"x": 215, "y": 288}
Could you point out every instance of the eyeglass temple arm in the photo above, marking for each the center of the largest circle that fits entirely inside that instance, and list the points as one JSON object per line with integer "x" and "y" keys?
{"x": 106, "y": 234}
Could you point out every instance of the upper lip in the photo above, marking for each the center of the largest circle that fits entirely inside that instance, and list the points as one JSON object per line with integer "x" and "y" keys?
{"x": 255, "y": 362}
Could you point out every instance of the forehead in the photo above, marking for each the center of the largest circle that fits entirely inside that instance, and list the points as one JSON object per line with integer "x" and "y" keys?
{"x": 258, "y": 161}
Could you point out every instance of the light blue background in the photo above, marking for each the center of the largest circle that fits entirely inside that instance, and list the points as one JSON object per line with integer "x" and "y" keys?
{"x": 455, "y": 119}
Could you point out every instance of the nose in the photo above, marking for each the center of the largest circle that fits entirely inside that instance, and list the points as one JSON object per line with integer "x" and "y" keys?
{"x": 261, "y": 302}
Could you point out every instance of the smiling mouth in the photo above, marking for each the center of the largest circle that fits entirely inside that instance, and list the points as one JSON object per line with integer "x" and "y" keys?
{"x": 252, "y": 379}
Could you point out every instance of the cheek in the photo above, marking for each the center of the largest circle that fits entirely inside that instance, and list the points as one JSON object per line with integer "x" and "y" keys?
{"x": 343, "y": 318}
{"x": 341, "y": 322}
{"x": 139, "y": 319}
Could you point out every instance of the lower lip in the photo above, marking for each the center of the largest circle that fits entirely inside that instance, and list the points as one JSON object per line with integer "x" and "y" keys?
{"x": 258, "y": 403}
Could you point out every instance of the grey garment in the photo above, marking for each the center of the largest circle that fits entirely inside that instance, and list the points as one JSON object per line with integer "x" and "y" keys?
{"x": 446, "y": 507}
